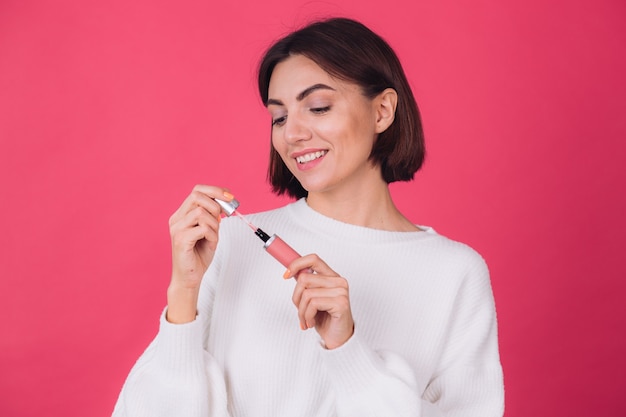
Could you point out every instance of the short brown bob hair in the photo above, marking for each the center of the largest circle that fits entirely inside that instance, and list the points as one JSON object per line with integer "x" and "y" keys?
{"x": 349, "y": 51}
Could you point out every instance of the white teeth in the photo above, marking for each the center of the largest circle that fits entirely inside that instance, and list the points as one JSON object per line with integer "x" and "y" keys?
{"x": 310, "y": 156}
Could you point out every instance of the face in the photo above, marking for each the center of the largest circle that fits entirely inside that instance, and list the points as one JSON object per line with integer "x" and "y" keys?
{"x": 323, "y": 128}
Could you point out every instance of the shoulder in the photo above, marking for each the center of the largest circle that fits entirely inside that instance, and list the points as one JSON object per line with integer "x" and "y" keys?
{"x": 460, "y": 251}
{"x": 448, "y": 254}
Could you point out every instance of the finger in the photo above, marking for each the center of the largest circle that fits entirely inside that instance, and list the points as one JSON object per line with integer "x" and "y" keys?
{"x": 202, "y": 196}
{"x": 329, "y": 300}
{"x": 309, "y": 281}
{"x": 193, "y": 218}
{"x": 213, "y": 193}
{"x": 313, "y": 286}
{"x": 197, "y": 225}
{"x": 312, "y": 262}
{"x": 187, "y": 239}
{"x": 193, "y": 201}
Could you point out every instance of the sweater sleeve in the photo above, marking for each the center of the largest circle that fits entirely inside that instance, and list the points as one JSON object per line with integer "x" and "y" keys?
{"x": 174, "y": 376}
{"x": 468, "y": 379}
{"x": 177, "y": 375}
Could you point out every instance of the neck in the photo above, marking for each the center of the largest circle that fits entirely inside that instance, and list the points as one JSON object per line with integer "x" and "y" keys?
{"x": 370, "y": 206}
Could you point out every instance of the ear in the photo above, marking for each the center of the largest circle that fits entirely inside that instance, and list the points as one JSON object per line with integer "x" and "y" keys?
{"x": 385, "y": 105}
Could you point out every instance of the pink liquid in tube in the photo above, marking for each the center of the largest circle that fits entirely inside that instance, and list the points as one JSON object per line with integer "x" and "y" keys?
{"x": 281, "y": 251}
{"x": 274, "y": 245}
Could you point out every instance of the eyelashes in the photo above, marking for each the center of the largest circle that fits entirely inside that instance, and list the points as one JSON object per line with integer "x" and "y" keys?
{"x": 279, "y": 121}
{"x": 320, "y": 110}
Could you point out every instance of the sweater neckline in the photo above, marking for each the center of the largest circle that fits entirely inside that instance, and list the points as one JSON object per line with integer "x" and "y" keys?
{"x": 316, "y": 222}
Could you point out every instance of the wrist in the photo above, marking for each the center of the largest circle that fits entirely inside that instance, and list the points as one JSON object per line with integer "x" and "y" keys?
{"x": 181, "y": 304}
{"x": 338, "y": 342}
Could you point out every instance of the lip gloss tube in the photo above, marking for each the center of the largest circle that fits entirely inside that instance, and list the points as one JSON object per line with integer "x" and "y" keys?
{"x": 274, "y": 245}
{"x": 280, "y": 250}
{"x": 229, "y": 207}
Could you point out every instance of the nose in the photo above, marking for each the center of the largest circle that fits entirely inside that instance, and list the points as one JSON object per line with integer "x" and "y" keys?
{"x": 295, "y": 130}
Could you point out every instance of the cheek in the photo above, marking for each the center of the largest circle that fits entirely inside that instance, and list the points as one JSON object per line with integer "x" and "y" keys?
{"x": 358, "y": 132}
{"x": 332, "y": 128}
{"x": 357, "y": 122}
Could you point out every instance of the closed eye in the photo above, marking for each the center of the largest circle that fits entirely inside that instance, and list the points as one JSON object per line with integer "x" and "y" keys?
{"x": 279, "y": 121}
{"x": 320, "y": 110}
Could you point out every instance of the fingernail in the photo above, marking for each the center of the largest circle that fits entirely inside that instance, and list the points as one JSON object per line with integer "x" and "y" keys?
{"x": 219, "y": 219}
{"x": 303, "y": 326}
{"x": 228, "y": 195}
{"x": 287, "y": 274}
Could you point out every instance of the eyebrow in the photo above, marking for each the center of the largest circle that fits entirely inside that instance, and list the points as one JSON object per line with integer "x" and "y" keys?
{"x": 302, "y": 95}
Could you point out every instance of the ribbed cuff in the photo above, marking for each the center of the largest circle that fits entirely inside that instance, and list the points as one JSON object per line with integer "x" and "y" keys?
{"x": 353, "y": 367}
{"x": 179, "y": 347}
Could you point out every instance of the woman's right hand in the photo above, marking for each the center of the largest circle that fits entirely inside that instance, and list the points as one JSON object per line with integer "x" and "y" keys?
{"x": 194, "y": 233}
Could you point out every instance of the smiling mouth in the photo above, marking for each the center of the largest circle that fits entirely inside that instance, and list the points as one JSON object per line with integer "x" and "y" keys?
{"x": 310, "y": 157}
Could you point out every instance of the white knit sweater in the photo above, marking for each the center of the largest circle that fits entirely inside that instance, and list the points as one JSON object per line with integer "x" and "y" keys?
{"x": 425, "y": 341}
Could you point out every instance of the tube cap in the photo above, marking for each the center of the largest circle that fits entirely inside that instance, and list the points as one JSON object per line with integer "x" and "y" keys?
{"x": 229, "y": 207}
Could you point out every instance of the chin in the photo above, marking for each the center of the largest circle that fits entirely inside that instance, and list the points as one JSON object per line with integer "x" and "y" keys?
{"x": 317, "y": 188}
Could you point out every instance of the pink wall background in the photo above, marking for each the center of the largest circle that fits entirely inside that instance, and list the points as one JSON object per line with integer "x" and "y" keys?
{"x": 111, "y": 111}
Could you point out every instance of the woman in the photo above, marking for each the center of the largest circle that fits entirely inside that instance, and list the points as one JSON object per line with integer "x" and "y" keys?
{"x": 381, "y": 318}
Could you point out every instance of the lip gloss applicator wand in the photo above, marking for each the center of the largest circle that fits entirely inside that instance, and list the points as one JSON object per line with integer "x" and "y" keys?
{"x": 274, "y": 245}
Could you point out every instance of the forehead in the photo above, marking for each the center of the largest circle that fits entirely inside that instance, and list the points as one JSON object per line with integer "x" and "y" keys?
{"x": 297, "y": 73}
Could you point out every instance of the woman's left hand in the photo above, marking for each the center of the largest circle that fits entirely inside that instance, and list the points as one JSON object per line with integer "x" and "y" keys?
{"x": 322, "y": 300}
